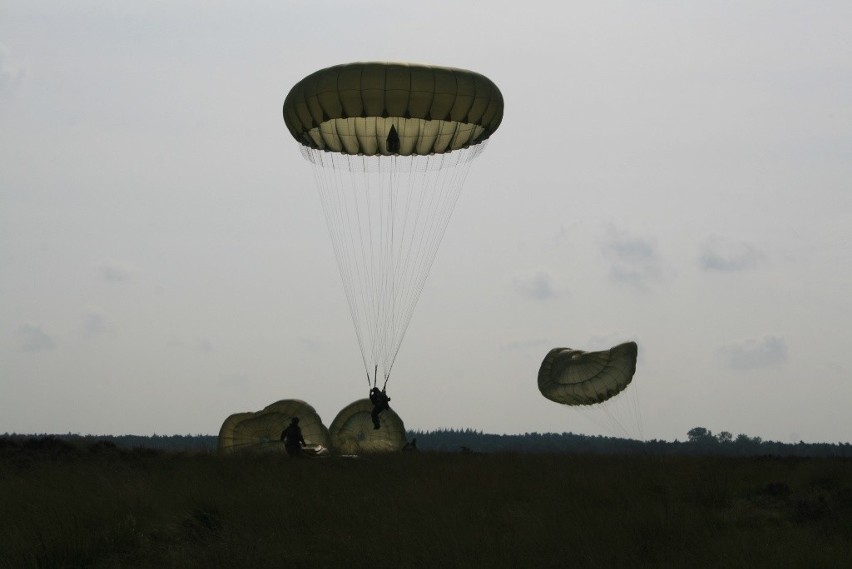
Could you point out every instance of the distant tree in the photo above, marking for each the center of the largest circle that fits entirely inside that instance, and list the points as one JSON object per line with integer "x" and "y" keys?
{"x": 747, "y": 440}
{"x": 724, "y": 437}
{"x": 699, "y": 434}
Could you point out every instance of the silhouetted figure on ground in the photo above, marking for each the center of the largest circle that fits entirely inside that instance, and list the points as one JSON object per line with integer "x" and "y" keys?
{"x": 292, "y": 437}
{"x": 380, "y": 401}
{"x": 410, "y": 446}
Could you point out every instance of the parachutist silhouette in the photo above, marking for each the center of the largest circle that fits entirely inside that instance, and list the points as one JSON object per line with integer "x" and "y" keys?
{"x": 380, "y": 401}
{"x": 292, "y": 437}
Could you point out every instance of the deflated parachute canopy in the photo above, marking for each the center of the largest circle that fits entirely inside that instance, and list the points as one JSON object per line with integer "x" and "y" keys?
{"x": 392, "y": 108}
{"x": 352, "y": 430}
{"x": 261, "y": 431}
{"x": 575, "y": 377}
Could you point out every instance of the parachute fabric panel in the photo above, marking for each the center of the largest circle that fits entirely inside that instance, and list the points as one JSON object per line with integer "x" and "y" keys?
{"x": 575, "y": 377}
{"x": 261, "y": 431}
{"x": 392, "y": 108}
{"x": 352, "y": 430}
{"x": 226, "y": 433}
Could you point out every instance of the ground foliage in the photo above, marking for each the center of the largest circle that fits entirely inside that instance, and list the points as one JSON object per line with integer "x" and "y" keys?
{"x": 95, "y": 504}
{"x": 699, "y": 442}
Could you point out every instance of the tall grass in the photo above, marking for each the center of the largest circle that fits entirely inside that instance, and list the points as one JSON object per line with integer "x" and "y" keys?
{"x": 123, "y": 509}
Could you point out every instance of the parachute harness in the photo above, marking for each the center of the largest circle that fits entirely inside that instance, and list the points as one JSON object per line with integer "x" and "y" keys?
{"x": 386, "y": 217}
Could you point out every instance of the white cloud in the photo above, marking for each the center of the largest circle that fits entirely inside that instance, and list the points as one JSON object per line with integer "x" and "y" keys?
{"x": 754, "y": 353}
{"x": 97, "y": 323}
{"x": 718, "y": 254}
{"x": 116, "y": 272}
{"x": 33, "y": 338}
{"x": 538, "y": 286}
{"x": 633, "y": 260}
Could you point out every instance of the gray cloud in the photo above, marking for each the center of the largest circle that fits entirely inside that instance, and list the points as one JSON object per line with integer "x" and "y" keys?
{"x": 718, "y": 254}
{"x": 97, "y": 323}
{"x": 116, "y": 272}
{"x": 754, "y": 353}
{"x": 633, "y": 260}
{"x": 34, "y": 339}
{"x": 537, "y": 287}
{"x": 12, "y": 74}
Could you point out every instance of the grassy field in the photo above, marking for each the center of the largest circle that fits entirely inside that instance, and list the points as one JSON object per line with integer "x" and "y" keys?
{"x": 103, "y": 507}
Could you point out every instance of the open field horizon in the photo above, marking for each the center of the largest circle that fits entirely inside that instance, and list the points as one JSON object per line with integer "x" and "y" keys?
{"x": 101, "y": 506}
{"x": 698, "y": 442}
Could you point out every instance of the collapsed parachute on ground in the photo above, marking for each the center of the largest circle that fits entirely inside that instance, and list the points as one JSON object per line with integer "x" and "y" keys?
{"x": 575, "y": 377}
{"x": 391, "y": 145}
{"x": 261, "y": 431}
{"x": 352, "y": 430}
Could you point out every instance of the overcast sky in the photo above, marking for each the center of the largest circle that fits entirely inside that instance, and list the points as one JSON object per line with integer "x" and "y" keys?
{"x": 674, "y": 173}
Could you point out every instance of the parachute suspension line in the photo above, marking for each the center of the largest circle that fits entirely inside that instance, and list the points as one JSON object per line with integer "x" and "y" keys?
{"x": 634, "y": 410}
{"x": 387, "y": 216}
{"x": 330, "y": 184}
{"x": 444, "y": 189}
{"x": 390, "y": 287}
{"x": 370, "y": 263}
{"x": 621, "y": 411}
{"x": 593, "y": 413}
{"x": 409, "y": 216}
{"x": 445, "y": 174}
{"x": 618, "y": 415}
{"x": 388, "y": 292}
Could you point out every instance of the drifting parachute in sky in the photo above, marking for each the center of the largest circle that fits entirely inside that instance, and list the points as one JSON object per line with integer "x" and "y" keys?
{"x": 579, "y": 378}
{"x": 575, "y": 377}
{"x": 261, "y": 431}
{"x": 391, "y": 145}
{"x": 352, "y": 430}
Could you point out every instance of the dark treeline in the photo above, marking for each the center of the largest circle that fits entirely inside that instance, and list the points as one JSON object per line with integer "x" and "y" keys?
{"x": 699, "y": 442}
{"x": 176, "y": 443}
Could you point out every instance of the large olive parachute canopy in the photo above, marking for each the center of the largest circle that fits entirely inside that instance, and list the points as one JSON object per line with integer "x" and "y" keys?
{"x": 575, "y": 377}
{"x": 392, "y": 108}
{"x": 261, "y": 431}
{"x": 391, "y": 145}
